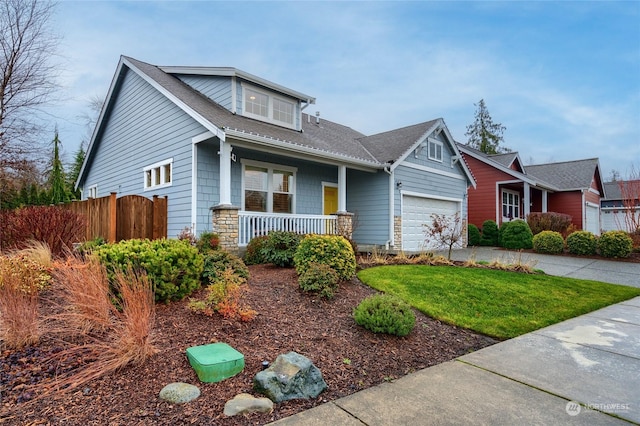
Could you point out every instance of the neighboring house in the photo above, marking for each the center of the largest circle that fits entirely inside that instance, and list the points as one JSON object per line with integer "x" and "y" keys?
{"x": 235, "y": 154}
{"x": 506, "y": 189}
{"x": 620, "y": 209}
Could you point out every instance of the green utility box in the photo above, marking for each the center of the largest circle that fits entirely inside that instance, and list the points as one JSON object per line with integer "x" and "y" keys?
{"x": 215, "y": 362}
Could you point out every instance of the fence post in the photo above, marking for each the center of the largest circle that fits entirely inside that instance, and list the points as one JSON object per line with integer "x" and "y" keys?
{"x": 159, "y": 222}
{"x": 111, "y": 229}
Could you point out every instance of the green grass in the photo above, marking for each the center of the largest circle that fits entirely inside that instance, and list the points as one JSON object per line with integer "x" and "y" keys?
{"x": 496, "y": 303}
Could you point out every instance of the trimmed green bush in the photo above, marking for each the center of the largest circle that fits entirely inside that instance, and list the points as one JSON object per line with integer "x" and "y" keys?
{"x": 489, "y": 233}
{"x": 383, "y": 313}
{"x": 582, "y": 243}
{"x": 515, "y": 234}
{"x": 332, "y": 250}
{"x": 548, "y": 221}
{"x": 280, "y": 247}
{"x": 216, "y": 263}
{"x": 550, "y": 242}
{"x": 253, "y": 255}
{"x": 615, "y": 244}
{"x": 173, "y": 266}
{"x": 473, "y": 235}
{"x": 321, "y": 279}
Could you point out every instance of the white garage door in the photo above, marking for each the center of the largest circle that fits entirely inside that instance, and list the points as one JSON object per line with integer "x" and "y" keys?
{"x": 416, "y": 211}
{"x": 593, "y": 219}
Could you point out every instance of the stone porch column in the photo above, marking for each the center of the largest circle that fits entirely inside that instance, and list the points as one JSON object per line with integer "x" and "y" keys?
{"x": 225, "y": 224}
{"x": 345, "y": 224}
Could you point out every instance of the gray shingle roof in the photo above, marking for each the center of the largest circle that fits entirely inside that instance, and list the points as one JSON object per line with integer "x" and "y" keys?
{"x": 505, "y": 159}
{"x": 566, "y": 175}
{"x": 392, "y": 145}
{"x": 613, "y": 192}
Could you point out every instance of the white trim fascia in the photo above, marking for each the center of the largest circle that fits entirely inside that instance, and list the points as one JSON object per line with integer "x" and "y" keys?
{"x": 432, "y": 170}
{"x": 430, "y": 196}
{"x": 594, "y": 191}
{"x": 416, "y": 144}
{"x": 590, "y": 204}
{"x": 392, "y": 207}
{"x": 302, "y": 152}
{"x": 266, "y": 165}
{"x": 194, "y": 178}
{"x": 234, "y": 72}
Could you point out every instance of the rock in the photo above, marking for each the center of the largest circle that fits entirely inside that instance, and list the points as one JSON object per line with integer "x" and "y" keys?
{"x": 291, "y": 376}
{"x": 246, "y": 404}
{"x": 179, "y": 393}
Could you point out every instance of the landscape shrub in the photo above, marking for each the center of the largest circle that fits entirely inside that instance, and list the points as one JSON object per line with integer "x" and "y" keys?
{"x": 224, "y": 296}
{"x": 208, "y": 241}
{"x": 332, "y": 250}
{"x": 489, "y": 236}
{"x": 582, "y": 243}
{"x": 548, "y": 221}
{"x": 383, "y": 313}
{"x": 173, "y": 266}
{"x": 321, "y": 279}
{"x": 615, "y": 244}
{"x": 280, "y": 247}
{"x": 515, "y": 234}
{"x": 550, "y": 242}
{"x": 216, "y": 262}
{"x": 253, "y": 255}
{"x": 635, "y": 238}
{"x": 473, "y": 235}
{"x": 57, "y": 227}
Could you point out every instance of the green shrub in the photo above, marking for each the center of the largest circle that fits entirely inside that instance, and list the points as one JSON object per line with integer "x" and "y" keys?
{"x": 383, "y": 313}
{"x": 548, "y": 221}
{"x": 332, "y": 250}
{"x": 280, "y": 247}
{"x": 615, "y": 244}
{"x": 489, "y": 233}
{"x": 208, "y": 241}
{"x": 582, "y": 243}
{"x": 320, "y": 278}
{"x": 473, "y": 235}
{"x": 515, "y": 234}
{"x": 253, "y": 255}
{"x": 173, "y": 266}
{"x": 89, "y": 246}
{"x": 216, "y": 263}
{"x": 550, "y": 242}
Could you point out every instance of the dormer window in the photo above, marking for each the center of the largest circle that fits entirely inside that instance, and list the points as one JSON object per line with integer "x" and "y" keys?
{"x": 435, "y": 150}
{"x": 266, "y": 106}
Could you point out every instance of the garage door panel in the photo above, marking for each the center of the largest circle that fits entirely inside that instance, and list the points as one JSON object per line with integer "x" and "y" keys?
{"x": 416, "y": 212}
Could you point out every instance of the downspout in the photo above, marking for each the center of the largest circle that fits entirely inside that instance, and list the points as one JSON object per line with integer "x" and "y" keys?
{"x": 390, "y": 241}
{"x": 583, "y": 207}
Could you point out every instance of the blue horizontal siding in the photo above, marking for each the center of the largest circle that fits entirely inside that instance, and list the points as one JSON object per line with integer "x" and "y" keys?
{"x": 368, "y": 200}
{"x": 216, "y": 88}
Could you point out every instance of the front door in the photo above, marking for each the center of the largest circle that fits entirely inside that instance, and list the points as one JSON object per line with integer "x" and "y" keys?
{"x": 330, "y": 200}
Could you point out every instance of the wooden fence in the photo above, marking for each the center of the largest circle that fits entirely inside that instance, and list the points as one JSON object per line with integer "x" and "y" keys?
{"x": 116, "y": 219}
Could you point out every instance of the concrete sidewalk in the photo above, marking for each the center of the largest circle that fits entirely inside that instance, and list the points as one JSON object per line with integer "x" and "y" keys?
{"x": 582, "y": 371}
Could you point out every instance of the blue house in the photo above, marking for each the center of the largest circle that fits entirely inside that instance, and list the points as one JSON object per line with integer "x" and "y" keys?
{"x": 236, "y": 154}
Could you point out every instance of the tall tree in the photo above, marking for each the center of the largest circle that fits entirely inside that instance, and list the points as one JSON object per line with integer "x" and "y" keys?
{"x": 57, "y": 181}
{"x": 484, "y": 134}
{"x": 27, "y": 77}
{"x": 75, "y": 173}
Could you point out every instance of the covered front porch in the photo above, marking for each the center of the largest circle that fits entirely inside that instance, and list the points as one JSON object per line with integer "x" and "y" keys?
{"x": 517, "y": 199}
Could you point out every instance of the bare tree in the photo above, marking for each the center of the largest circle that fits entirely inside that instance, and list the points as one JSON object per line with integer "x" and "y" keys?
{"x": 445, "y": 231}
{"x": 630, "y": 194}
{"x": 27, "y": 77}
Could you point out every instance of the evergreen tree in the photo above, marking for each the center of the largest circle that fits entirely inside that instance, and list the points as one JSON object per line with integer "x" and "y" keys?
{"x": 485, "y": 135}
{"x": 75, "y": 173}
{"x": 57, "y": 182}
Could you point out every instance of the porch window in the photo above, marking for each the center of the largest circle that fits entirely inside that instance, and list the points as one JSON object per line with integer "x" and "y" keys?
{"x": 268, "y": 188}
{"x": 510, "y": 204}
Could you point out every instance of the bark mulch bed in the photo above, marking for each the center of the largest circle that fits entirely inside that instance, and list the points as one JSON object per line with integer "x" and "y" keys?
{"x": 350, "y": 358}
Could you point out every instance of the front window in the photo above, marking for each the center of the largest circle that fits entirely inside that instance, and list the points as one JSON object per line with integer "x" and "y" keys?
{"x": 158, "y": 175}
{"x": 510, "y": 204}
{"x": 267, "y": 106}
{"x": 268, "y": 188}
{"x": 435, "y": 150}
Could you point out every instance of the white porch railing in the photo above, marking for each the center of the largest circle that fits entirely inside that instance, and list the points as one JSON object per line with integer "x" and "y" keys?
{"x": 255, "y": 224}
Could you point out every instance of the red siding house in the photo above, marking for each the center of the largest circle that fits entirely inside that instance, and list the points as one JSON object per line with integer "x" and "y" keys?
{"x": 506, "y": 189}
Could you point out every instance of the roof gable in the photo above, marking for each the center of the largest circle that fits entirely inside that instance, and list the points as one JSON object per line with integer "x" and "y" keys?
{"x": 569, "y": 175}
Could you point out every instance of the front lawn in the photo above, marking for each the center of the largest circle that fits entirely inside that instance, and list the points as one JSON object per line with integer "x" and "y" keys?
{"x": 496, "y": 303}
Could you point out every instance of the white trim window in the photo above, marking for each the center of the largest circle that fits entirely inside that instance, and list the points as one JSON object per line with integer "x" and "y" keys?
{"x": 268, "y": 188}
{"x": 435, "y": 150}
{"x": 510, "y": 204}
{"x": 92, "y": 191}
{"x": 266, "y": 106}
{"x": 158, "y": 175}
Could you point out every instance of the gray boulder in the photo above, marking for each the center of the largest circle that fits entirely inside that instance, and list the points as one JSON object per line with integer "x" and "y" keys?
{"x": 179, "y": 393}
{"x": 246, "y": 404}
{"x": 291, "y": 376}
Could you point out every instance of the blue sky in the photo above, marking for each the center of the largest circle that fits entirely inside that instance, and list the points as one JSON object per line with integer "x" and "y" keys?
{"x": 563, "y": 77}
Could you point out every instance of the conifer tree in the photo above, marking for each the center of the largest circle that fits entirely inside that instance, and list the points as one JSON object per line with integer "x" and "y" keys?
{"x": 485, "y": 135}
